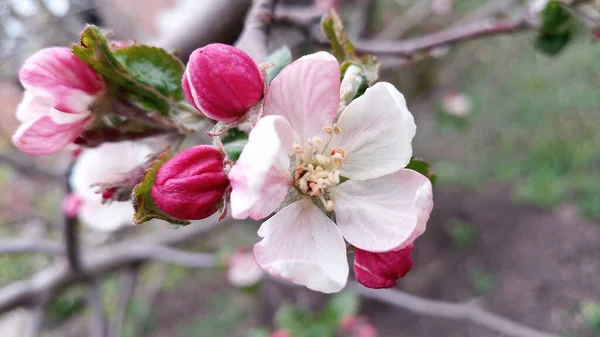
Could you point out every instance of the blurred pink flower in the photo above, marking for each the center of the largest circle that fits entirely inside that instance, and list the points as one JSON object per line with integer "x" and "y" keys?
{"x": 442, "y": 7}
{"x": 376, "y": 210}
{"x": 281, "y": 333}
{"x": 457, "y": 104}
{"x": 56, "y": 107}
{"x": 242, "y": 269}
{"x": 222, "y": 82}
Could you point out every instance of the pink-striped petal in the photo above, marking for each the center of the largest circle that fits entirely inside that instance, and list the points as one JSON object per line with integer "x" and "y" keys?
{"x": 45, "y": 136}
{"x": 260, "y": 178}
{"x": 377, "y": 130}
{"x": 307, "y": 94}
{"x": 381, "y": 214}
{"x": 300, "y": 243}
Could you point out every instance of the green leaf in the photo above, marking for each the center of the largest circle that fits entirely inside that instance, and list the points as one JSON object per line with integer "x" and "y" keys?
{"x": 259, "y": 333}
{"x": 293, "y": 319}
{"x": 280, "y": 58}
{"x": 556, "y": 31}
{"x": 154, "y": 67}
{"x": 233, "y": 143}
{"x": 333, "y": 29}
{"x": 340, "y": 305}
{"x": 421, "y": 167}
{"x": 150, "y": 75}
{"x": 145, "y": 209}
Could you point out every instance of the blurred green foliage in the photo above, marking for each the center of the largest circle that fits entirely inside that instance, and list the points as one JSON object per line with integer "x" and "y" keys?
{"x": 591, "y": 316}
{"x": 482, "y": 281}
{"x": 463, "y": 234}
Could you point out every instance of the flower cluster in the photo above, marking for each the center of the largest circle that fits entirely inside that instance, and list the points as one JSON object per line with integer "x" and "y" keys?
{"x": 331, "y": 169}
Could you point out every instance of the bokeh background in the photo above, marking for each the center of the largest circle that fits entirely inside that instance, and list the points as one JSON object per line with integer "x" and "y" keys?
{"x": 512, "y": 134}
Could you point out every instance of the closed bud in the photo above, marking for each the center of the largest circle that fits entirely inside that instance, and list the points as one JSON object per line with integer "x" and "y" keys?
{"x": 222, "y": 82}
{"x": 192, "y": 184}
{"x": 381, "y": 270}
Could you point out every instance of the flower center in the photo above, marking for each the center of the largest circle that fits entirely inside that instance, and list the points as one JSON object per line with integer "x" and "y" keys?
{"x": 318, "y": 166}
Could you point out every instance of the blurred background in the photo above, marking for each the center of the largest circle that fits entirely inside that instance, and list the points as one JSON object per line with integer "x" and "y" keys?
{"x": 512, "y": 135}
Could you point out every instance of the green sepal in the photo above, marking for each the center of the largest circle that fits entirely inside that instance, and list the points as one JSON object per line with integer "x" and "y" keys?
{"x": 421, "y": 167}
{"x": 145, "y": 209}
{"x": 280, "y": 58}
{"x": 151, "y": 76}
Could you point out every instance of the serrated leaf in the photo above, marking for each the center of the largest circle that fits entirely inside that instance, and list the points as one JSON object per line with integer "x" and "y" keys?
{"x": 154, "y": 67}
{"x": 148, "y": 76}
{"x": 280, "y": 58}
{"x": 421, "y": 167}
{"x": 145, "y": 209}
{"x": 556, "y": 30}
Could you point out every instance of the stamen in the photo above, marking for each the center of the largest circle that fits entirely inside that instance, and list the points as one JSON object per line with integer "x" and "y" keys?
{"x": 336, "y": 129}
{"x": 329, "y": 130}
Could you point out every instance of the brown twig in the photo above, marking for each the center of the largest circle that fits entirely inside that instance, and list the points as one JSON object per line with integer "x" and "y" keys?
{"x": 53, "y": 280}
{"x": 453, "y": 35}
{"x": 70, "y": 232}
{"x": 35, "y": 324}
{"x": 27, "y": 167}
{"x": 459, "y": 311}
{"x": 128, "y": 277}
{"x": 97, "y": 326}
{"x": 24, "y": 245}
{"x": 254, "y": 37}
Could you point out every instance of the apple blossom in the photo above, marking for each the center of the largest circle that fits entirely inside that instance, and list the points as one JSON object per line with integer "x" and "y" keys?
{"x": 60, "y": 89}
{"x": 222, "y": 82}
{"x": 105, "y": 164}
{"x": 242, "y": 269}
{"x": 301, "y": 147}
{"x": 353, "y": 326}
{"x": 192, "y": 184}
{"x": 281, "y": 333}
{"x": 457, "y": 104}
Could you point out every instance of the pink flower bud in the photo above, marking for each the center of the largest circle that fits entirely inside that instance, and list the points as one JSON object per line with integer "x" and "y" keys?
{"x": 222, "y": 82}
{"x": 58, "y": 75}
{"x": 56, "y": 106}
{"x": 381, "y": 270}
{"x": 281, "y": 333}
{"x": 191, "y": 185}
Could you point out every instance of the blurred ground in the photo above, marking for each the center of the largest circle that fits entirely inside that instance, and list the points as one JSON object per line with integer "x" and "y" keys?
{"x": 515, "y": 225}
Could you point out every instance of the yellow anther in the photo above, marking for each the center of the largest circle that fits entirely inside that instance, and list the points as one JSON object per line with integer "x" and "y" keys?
{"x": 329, "y": 206}
{"x": 329, "y": 130}
{"x": 338, "y": 160}
{"x": 298, "y": 148}
{"x": 336, "y": 129}
{"x": 322, "y": 160}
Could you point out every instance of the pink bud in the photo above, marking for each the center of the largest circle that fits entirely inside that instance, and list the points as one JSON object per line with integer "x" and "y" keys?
{"x": 56, "y": 74}
{"x": 222, "y": 82}
{"x": 191, "y": 185}
{"x": 56, "y": 106}
{"x": 281, "y": 333}
{"x": 381, "y": 270}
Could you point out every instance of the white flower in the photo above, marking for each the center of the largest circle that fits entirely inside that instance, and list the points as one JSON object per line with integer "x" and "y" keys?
{"x": 104, "y": 164}
{"x": 442, "y": 7}
{"x": 299, "y": 146}
{"x": 242, "y": 270}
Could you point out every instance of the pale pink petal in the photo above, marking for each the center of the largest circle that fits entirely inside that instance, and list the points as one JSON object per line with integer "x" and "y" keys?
{"x": 302, "y": 244}
{"x": 260, "y": 178}
{"x": 44, "y": 136}
{"x": 424, "y": 205}
{"x": 381, "y": 214}
{"x": 55, "y": 73}
{"x": 307, "y": 94}
{"x": 377, "y": 130}
{"x": 105, "y": 217}
{"x": 32, "y": 107}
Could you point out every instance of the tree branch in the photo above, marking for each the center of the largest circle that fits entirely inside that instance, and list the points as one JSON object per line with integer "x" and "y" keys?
{"x": 36, "y": 320}
{"x": 254, "y": 37}
{"x": 97, "y": 326}
{"x": 21, "y": 245}
{"x": 458, "y": 311}
{"x": 105, "y": 260}
{"x": 128, "y": 278}
{"x": 27, "y": 167}
{"x": 69, "y": 230}
{"x": 471, "y": 31}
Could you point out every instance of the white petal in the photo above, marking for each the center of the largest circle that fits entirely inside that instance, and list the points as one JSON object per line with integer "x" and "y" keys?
{"x": 377, "y": 130}
{"x": 107, "y": 217}
{"x": 302, "y": 244}
{"x": 307, "y": 94}
{"x": 260, "y": 178}
{"x": 381, "y": 214}
{"x": 32, "y": 107}
{"x": 106, "y": 163}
